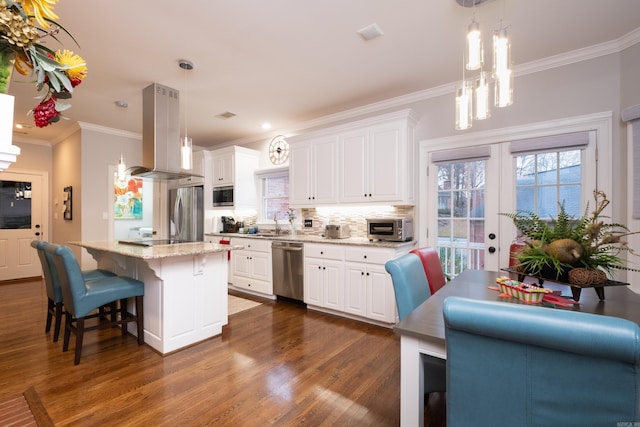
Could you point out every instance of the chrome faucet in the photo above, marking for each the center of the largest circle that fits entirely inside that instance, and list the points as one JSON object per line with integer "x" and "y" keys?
{"x": 275, "y": 219}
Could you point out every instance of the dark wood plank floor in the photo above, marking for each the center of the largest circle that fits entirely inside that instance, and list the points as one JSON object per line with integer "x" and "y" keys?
{"x": 276, "y": 364}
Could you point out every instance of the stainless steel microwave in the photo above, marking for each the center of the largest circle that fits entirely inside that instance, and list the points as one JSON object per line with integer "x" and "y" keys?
{"x": 391, "y": 229}
{"x": 223, "y": 196}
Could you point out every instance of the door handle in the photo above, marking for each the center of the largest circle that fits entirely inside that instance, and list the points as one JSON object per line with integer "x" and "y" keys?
{"x": 492, "y": 249}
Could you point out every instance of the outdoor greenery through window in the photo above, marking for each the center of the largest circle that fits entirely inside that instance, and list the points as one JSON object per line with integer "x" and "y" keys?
{"x": 461, "y": 195}
{"x": 545, "y": 180}
{"x": 275, "y": 196}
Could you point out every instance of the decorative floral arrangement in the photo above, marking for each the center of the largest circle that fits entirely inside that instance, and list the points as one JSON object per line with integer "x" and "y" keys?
{"x": 564, "y": 243}
{"x": 22, "y": 25}
{"x": 291, "y": 214}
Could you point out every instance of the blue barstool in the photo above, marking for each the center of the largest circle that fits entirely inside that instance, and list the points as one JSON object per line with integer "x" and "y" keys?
{"x": 82, "y": 297}
{"x": 54, "y": 293}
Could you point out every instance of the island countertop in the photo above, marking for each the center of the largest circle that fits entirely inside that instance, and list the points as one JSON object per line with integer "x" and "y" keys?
{"x": 156, "y": 251}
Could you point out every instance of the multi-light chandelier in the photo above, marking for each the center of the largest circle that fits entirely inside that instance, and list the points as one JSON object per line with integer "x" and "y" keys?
{"x": 472, "y": 94}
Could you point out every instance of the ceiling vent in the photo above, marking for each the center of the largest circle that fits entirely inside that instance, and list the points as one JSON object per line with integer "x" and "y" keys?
{"x": 226, "y": 115}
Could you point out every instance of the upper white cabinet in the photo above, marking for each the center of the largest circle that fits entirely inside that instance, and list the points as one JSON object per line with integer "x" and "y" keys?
{"x": 368, "y": 161}
{"x": 313, "y": 172}
{"x": 235, "y": 166}
{"x": 374, "y": 164}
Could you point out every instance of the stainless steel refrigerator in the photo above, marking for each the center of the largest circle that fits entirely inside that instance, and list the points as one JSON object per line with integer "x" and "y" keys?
{"x": 186, "y": 214}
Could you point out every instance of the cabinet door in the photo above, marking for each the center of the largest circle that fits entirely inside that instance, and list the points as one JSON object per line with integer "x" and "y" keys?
{"x": 385, "y": 163}
{"x": 261, "y": 266}
{"x": 223, "y": 170}
{"x": 241, "y": 263}
{"x": 300, "y": 174}
{"x": 355, "y": 289}
{"x": 313, "y": 278}
{"x": 325, "y": 170}
{"x": 333, "y": 284}
{"x": 355, "y": 167}
{"x": 380, "y": 297}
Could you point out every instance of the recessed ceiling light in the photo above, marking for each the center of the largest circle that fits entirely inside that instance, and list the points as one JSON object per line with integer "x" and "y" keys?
{"x": 122, "y": 104}
{"x": 370, "y": 32}
{"x": 266, "y": 126}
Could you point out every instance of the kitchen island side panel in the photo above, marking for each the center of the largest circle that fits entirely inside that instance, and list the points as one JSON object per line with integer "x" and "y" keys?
{"x": 185, "y": 299}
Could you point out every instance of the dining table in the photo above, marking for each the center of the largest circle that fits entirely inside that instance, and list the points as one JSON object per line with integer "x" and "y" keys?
{"x": 422, "y": 332}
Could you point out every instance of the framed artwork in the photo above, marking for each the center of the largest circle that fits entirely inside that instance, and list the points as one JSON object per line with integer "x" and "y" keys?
{"x": 127, "y": 197}
{"x": 67, "y": 200}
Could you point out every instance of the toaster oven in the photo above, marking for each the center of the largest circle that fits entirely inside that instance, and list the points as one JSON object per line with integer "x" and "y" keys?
{"x": 390, "y": 229}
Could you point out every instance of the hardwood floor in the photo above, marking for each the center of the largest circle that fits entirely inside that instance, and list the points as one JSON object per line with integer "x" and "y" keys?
{"x": 275, "y": 364}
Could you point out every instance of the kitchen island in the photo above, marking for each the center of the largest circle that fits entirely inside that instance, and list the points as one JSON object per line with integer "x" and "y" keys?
{"x": 185, "y": 287}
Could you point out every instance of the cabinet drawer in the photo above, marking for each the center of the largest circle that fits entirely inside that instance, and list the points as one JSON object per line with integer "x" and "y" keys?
{"x": 253, "y": 285}
{"x": 369, "y": 255}
{"x": 256, "y": 245}
{"x": 324, "y": 251}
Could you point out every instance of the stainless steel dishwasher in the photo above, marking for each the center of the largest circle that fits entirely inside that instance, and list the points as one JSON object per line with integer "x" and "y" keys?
{"x": 288, "y": 269}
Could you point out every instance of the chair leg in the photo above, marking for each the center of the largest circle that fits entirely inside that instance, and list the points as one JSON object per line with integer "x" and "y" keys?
{"x": 140, "y": 316}
{"x": 56, "y": 327}
{"x": 67, "y": 331}
{"x": 50, "y": 306}
{"x": 79, "y": 337}
{"x": 124, "y": 315}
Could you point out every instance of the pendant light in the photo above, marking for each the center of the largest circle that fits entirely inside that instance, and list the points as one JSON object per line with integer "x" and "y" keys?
{"x": 502, "y": 72}
{"x": 186, "y": 143}
{"x": 474, "y": 46}
{"x": 472, "y": 94}
{"x": 122, "y": 167}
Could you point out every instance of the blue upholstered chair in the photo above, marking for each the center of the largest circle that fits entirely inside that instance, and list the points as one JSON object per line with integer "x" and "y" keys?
{"x": 54, "y": 293}
{"x": 83, "y": 297}
{"x": 411, "y": 289}
{"x": 519, "y": 365}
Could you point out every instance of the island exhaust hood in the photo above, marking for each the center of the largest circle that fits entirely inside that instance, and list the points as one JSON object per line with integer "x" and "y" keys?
{"x": 160, "y": 135}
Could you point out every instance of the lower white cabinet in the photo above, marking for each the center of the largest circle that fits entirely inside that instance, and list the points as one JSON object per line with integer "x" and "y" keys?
{"x": 252, "y": 265}
{"x": 351, "y": 280}
{"x": 368, "y": 286}
{"x": 324, "y": 276}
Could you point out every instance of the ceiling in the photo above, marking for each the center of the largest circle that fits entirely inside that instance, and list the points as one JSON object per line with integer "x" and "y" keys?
{"x": 290, "y": 62}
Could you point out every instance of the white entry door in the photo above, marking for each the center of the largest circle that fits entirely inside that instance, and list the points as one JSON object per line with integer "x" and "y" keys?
{"x": 21, "y": 216}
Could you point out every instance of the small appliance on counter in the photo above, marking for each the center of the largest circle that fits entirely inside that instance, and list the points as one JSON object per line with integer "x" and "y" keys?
{"x": 390, "y": 229}
{"x": 229, "y": 225}
{"x": 337, "y": 231}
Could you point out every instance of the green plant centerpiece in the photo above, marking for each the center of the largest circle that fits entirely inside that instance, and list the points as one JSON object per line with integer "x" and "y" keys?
{"x": 579, "y": 251}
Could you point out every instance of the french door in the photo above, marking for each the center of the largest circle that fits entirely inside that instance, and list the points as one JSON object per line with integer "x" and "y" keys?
{"x": 469, "y": 187}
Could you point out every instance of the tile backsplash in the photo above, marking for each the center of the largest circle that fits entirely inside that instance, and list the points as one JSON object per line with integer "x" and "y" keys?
{"x": 355, "y": 216}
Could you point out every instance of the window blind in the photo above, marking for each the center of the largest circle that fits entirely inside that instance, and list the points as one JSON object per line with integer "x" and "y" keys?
{"x": 550, "y": 143}
{"x": 471, "y": 153}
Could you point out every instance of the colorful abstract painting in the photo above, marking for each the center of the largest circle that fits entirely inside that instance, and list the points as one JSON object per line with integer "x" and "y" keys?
{"x": 127, "y": 196}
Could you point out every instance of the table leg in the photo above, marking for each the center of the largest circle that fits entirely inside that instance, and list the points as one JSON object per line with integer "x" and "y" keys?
{"x": 411, "y": 383}
{"x": 600, "y": 292}
{"x": 575, "y": 291}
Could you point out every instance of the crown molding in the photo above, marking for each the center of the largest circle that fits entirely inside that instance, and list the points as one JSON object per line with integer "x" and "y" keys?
{"x": 615, "y": 46}
{"x": 109, "y": 131}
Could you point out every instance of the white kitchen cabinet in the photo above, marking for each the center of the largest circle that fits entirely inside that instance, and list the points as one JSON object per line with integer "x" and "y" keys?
{"x": 235, "y": 166}
{"x": 377, "y": 163}
{"x": 313, "y": 172}
{"x": 252, "y": 265}
{"x": 368, "y": 287}
{"x": 197, "y": 169}
{"x": 324, "y": 276}
{"x": 223, "y": 168}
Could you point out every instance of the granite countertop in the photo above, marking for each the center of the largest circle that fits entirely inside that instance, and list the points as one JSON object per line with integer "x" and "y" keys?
{"x": 315, "y": 238}
{"x": 156, "y": 251}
